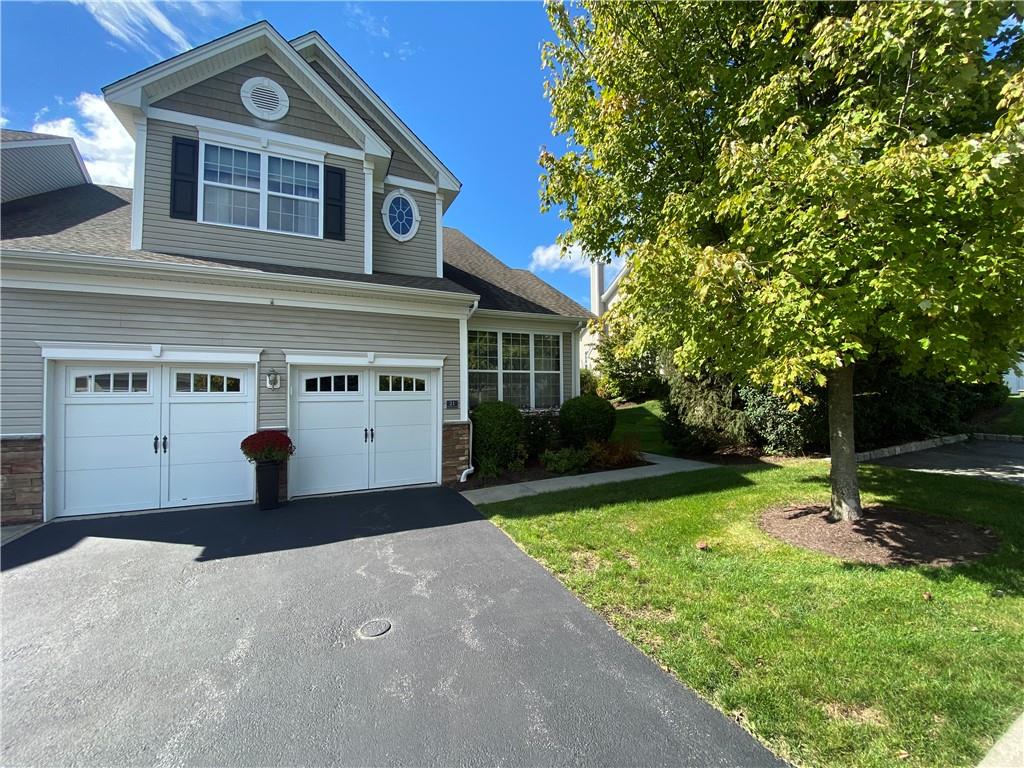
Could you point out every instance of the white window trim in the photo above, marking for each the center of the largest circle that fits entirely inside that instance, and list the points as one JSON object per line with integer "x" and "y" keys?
{"x": 360, "y": 359}
{"x": 311, "y": 158}
{"x": 533, "y": 364}
{"x": 415, "y": 215}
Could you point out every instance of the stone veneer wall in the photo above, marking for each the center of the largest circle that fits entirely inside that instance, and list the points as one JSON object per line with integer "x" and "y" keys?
{"x": 21, "y": 480}
{"x": 454, "y": 451}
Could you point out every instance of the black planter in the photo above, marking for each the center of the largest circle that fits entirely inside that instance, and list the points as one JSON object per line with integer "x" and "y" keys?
{"x": 267, "y": 478}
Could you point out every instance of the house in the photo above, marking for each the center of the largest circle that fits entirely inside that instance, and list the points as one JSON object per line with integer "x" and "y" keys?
{"x": 601, "y": 300}
{"x": 281, "y": 262}
{"x": 34, "y": 163}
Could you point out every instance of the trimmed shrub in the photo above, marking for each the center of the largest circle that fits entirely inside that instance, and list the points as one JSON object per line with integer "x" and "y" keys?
{"x": 586, "y": 419}
{"x": 497, "y": 430}
{"x": 566, "y": 460}
{"x": 702, "y": 413}
{"x": 615, "y": 453}
{"x": 588, "y": 382}
{"x": 624, "y": 373}
{"x": 776, "y": 428}
{"x": 540, "y": 432}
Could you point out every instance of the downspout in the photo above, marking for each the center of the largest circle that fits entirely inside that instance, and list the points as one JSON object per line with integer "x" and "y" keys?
{"x": 469, "y": 448}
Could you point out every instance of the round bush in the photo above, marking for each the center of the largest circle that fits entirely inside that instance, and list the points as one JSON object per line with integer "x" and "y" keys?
{"x": 586, "y": 419}
{"x": 497, "y": 429}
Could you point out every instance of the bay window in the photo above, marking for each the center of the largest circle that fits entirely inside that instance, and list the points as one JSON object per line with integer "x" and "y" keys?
{"x": 260, "y": 190}
{"x": 524, "y": 369}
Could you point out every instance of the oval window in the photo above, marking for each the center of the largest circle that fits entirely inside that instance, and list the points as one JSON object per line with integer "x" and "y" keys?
{"x": 401, "y": 215}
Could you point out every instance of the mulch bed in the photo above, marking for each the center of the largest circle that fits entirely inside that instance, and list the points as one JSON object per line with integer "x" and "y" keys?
{"x": 884, "y": 536}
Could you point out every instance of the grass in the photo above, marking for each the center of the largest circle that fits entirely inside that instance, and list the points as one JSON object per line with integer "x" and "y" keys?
{"x": 643, "y": 422}
{"x": 1008, "y": 420}
{"x": 829, "y": 663}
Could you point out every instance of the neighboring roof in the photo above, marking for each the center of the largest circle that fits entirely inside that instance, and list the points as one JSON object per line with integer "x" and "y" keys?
{"x": 499, "y": 286}
{"x": 93, "y": 220}
{"x": 34, "y": 163}
{"x": 8, "y": 134}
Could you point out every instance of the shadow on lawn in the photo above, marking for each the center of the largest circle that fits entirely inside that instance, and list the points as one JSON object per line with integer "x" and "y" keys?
{"x": 721, "y": 478}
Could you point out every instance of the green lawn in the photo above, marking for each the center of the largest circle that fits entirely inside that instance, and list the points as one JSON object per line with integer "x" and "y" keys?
{"x": 644, "y": 423}
{"x": 1009, "y": 420}
{"x": 829, "y": 663}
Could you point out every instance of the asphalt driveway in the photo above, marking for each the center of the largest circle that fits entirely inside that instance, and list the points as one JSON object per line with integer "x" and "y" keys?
{"x": 230, "y": 637}
{"x": 994, "y": 459}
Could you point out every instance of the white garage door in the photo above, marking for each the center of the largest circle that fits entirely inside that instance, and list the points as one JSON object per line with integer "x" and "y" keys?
{"x": 362, "y": 428}
{"x": 147, "y": 436}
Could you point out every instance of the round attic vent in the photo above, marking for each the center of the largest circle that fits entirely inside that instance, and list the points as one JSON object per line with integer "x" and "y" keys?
{"x": 264, "y": 98}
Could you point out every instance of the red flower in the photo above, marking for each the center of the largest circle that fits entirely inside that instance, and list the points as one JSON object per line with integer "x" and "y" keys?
{"x": 268, "y": 445}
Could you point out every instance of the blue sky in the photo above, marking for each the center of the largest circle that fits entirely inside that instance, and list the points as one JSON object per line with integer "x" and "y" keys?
{"x": 466, "y": 77}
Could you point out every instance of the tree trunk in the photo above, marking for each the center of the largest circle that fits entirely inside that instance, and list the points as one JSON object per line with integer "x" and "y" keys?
{"x": 843, "y": 472}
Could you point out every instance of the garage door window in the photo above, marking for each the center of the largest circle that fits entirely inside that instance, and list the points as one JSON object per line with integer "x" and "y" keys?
{"x": 206, "y": 383}
{"x": 345, "y": 382}
{"x": 112, "y": 382}
{"x": 388, "y": 383}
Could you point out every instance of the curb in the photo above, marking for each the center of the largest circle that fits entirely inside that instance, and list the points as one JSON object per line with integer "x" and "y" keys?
{"x": 935, "y": 442}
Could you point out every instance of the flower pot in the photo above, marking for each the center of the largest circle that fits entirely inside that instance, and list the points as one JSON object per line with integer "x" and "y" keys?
{"x": 267, "y": 478}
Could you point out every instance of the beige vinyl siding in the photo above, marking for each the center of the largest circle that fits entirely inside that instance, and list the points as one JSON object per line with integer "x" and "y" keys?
{"x": 402, "y": 163}
{"x": 30, "y": 316}
{"x": 220, "y": 98}
{"x": 413, "y": 257}
{"x": 190, "y": 238}
{"x": 31, "y": 171}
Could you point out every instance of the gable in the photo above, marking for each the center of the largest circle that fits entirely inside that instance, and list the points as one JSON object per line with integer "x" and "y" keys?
{"x": 219, "y": 98}
{"x": 402, "y": 163}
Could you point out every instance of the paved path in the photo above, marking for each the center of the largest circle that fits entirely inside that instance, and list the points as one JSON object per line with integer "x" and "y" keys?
{"x": 980, "y": 458}
{"x": 660, "y": 465}
{"x": 230, "y": 637}
{"x": 1008, "y": 752}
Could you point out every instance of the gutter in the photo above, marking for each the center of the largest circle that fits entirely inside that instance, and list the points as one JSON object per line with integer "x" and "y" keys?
{"x": 469, "y": 470}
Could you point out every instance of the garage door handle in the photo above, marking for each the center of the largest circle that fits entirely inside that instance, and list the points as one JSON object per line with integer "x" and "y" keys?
{"x": 371, "y": 434}
{"x": 156, "y": 444}
{"x": 366, "y": 434}
{"x": 165, "y": 443}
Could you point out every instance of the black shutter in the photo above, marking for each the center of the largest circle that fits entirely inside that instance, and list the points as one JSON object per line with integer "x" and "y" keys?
{"x": 184, "y": 178}
{"x": 334, "y": 203}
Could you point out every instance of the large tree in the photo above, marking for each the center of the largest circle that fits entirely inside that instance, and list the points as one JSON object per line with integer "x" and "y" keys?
{"x": 799, "y": 187}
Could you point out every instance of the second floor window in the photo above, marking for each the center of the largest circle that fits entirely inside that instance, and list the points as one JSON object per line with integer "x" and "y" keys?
{"x": 260, "y": 191}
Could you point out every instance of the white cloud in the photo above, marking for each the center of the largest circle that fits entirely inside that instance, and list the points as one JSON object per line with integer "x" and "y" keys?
{"x": 133, "y": 22}
{"x": 365, "y": 21}
{"x": 3, "y": 121}
{"x": 158, "y": 28}
{"x": 548, "y": 258}
{"x": 105, "y": 146}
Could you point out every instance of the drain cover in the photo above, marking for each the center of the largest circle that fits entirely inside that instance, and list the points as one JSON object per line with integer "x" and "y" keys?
{"x": 375, "y": 628}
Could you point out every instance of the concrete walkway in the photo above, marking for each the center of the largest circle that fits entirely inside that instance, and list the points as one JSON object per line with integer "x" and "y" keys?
{"x": 1008, "y": 752}
{"x": 660, "y": 465}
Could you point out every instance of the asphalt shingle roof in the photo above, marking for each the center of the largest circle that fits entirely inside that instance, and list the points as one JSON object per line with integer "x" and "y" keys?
{"x": 96, "y": 220}
{"x": 8, "y": 134}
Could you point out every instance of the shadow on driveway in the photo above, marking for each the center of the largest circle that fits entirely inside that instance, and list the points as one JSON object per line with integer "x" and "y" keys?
{"x": 246, "y": 530}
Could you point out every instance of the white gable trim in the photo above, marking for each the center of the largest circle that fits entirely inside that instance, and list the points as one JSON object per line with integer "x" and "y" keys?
{"x": 129, "y": 91}
{"x": 446, "y": 178}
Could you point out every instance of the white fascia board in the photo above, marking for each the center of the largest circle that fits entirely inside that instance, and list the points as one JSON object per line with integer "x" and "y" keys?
{"x": 446, "y": 179}
{"x": 108, "y": 273}
{"x": 129, "y": 91}
{"x": 361, "y": 359}
{"x": 498, "y": 316}
{"x": 244, "y": 134}
{"x": 607, "y": 296}
{"x": 160, "y": 353}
